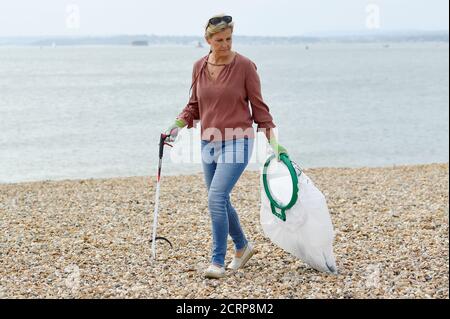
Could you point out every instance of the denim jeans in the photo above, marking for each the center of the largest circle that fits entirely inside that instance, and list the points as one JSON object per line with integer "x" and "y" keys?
{"x": 223, "y": 163}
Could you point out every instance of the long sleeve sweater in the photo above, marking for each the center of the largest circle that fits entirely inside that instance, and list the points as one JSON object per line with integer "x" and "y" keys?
{"x": 222, "y": 104}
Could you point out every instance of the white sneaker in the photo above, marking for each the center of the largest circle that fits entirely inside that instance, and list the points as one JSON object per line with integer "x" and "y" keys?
{"x": 241, "y": 261}
{"x": 214, "y": 271}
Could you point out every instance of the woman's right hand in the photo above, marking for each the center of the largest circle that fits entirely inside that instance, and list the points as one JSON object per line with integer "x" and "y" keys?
{"x": 172, "y": 130}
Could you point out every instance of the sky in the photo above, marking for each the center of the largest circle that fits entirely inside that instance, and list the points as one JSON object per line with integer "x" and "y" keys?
{"x": 188, "y": 17}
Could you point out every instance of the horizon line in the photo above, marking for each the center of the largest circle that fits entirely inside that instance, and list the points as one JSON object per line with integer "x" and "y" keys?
{"x": 306, "y": 34}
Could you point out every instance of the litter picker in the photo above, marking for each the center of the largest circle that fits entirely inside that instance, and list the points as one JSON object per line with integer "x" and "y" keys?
{"x": 162, "y": 142}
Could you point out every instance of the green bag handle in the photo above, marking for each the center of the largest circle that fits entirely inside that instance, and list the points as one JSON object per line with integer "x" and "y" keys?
{"x": 273, "y": 203}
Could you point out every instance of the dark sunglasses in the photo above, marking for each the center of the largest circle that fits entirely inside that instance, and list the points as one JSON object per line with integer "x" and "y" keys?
{"x": 217, "y": 20}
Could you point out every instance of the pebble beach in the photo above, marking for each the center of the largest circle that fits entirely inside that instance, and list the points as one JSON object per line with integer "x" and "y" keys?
{"x": 90, "y": 238}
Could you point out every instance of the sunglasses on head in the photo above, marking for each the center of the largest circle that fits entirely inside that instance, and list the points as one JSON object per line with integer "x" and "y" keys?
{"x": 217, "y": 20}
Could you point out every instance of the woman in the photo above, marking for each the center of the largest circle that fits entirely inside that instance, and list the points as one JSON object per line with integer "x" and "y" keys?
{"x": 223, "y": 83}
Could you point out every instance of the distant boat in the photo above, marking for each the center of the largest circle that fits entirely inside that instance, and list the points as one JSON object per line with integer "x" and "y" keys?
{"x": 199, "y": 44}
{"x": 140, "y": 43}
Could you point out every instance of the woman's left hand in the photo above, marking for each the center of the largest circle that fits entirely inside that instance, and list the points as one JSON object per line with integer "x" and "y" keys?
{"x": 277, "y": 149}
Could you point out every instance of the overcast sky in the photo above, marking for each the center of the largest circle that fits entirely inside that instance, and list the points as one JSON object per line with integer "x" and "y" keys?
{"x": 187, "y": 17}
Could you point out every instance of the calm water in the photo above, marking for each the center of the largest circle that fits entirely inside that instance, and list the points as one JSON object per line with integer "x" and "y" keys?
{"x": 81, "y": 112}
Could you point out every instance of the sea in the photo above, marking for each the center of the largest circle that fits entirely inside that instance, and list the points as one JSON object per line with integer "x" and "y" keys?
{"x": 79, "y": 112}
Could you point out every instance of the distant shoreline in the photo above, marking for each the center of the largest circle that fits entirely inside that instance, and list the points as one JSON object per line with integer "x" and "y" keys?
{"x": 368, "y": 37}
{"x": 175, "y": 45}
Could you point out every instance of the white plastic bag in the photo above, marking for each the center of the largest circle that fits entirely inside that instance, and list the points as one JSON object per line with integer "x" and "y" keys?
{"x": 307, "y": 232}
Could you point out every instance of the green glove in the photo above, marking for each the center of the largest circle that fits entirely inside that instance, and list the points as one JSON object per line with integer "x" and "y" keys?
{"x": 172, "y": 130}
{"x": 277, "y": 148}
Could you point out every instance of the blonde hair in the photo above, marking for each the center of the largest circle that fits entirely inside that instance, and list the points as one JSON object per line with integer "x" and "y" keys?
{"x": 210, "y": 29}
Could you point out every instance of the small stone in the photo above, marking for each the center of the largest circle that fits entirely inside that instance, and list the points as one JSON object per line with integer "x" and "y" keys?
{"x": 394, "y": 213}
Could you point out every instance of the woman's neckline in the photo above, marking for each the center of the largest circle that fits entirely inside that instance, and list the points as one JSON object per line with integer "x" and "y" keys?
{"x": 223, "y": 64}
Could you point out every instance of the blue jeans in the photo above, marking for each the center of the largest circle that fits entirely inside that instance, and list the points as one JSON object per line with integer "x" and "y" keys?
{"x": 223, "y": 163}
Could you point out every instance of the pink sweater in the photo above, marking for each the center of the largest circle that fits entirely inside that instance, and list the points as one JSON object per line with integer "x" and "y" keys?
{"x": 222, "y": 105}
